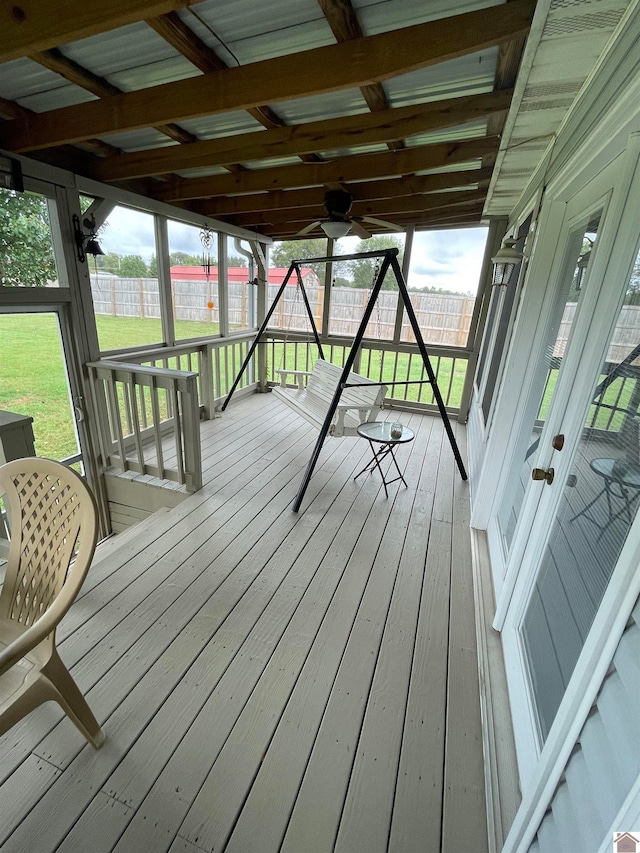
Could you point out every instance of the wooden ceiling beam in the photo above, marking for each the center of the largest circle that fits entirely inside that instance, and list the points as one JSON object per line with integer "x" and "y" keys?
{"x": 361, "y": 167}
{"x": 355, "y": 63}
{"x": 345, "y": 26}
{"x": 436, "y": 219}
{"x": 176, "y": 33}
{"x": 28, "y": 26}
{"x": 365, "y": 190}
{"x": 382, "y": 208}
{"x": 75, "y": 73}
{"x": 343, "y": 132}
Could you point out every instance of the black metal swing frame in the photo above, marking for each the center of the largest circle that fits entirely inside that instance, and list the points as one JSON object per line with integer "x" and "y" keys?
{"x": 389, "y": 259}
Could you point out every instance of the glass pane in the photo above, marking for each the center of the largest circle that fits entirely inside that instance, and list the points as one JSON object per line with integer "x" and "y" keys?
{"x": 26, "y": 247}
{"x": 124, "y": 282}
{"x": 193, "y": 255}
{"x": 33, "y": 381}
{"x": 242, "y": 293}
{"x": 352, "y": 285}
{"x": 597, "y": 509}
{"x": 499, "y": 323}
{"x": 290, "y": 313}
{"x": 444, "y": 275}
{"x": 573, "y": 278}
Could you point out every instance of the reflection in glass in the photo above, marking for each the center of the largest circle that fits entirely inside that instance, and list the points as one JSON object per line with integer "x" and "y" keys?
{"x": 597, "y": 509}
{"x": 573, "y": 280}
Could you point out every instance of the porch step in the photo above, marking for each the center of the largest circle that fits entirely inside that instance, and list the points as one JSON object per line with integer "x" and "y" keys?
{"x": 133, "y": 500}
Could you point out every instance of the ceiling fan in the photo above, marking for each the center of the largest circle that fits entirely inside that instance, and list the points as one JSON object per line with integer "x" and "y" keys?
{"x": 337, "y": 203}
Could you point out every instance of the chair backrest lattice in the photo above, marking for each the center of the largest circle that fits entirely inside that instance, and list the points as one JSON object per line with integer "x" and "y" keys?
{"x": 51, "y": 514}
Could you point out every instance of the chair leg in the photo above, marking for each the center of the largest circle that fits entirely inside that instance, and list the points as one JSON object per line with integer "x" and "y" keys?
{"x": 35, "y": 695}
{"x": 72, "y": 701}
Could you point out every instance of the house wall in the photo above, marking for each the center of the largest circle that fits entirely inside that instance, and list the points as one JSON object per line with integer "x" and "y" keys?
{"x": 569, "y": 793}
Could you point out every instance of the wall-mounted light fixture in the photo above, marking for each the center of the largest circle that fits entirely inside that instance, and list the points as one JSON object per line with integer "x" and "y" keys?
{"x": 505, "y": 261}
{"x": 87, "y": 244}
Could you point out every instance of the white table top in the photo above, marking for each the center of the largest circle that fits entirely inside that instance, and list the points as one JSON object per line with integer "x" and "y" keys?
{"x": 381, "y": 431}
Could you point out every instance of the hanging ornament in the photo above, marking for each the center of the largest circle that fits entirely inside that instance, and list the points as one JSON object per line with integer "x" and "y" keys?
{"x": 206, "y": 238}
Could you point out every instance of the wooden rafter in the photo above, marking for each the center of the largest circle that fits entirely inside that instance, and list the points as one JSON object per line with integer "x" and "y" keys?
{"x": 176, "y": 33}
{"x": 30, "y": 25}
{"x": 75, "y": 73}
{"x": 385, "y": 208}
{"x": 345, "y": 26}
{"x": 354, "y": 168}
{"x": 433, "y": 219}
{"x": 363, "y": 191}
{"x": 343, "y": 132}
{"x": 356, "y": 63}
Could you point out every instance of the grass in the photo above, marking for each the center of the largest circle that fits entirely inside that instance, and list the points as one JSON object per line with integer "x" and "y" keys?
{"x": 33, "y": 379}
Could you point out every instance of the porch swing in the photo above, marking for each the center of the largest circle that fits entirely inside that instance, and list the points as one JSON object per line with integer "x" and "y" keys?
{"x": 313, "y": 390}
{"x": 326, "y": 409}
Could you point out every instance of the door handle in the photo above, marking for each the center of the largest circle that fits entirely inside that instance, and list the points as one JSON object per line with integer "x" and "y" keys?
{"x": 541, "y": 474}
{"x": 557, "y": 442}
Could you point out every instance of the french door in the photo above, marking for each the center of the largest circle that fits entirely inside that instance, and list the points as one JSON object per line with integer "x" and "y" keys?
{"x": 572, "y": 493}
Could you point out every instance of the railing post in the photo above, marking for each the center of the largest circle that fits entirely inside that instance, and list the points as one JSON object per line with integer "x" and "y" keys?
{"x": 191, "y": 424}
{"x": 206, "y": 381}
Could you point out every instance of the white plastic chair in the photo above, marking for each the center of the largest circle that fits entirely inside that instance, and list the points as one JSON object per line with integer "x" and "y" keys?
{"x": 51, "y": 512}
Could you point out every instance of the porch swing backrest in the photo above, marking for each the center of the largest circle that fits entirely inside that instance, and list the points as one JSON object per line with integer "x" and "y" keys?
{"x": 314, "y": 391}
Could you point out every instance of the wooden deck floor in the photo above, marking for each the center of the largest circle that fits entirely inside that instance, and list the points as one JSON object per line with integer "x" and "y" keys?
{"x": 270, "y": 681}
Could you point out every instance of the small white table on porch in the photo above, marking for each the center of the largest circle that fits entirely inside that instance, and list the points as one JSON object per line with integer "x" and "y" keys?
{"x": 379, "y": 432}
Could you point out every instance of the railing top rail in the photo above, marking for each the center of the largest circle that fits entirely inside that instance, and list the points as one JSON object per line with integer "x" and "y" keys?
{"x": 434, "y": 350}
{"x": 179, "y": 349}
{"x": 167, "y": 372}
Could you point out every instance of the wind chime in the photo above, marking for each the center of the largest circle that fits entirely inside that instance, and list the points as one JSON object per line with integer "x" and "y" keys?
{"x": 206, "y": 238}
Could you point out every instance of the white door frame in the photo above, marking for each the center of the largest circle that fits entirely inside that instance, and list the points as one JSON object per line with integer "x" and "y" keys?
{"x": 611, "y": 268}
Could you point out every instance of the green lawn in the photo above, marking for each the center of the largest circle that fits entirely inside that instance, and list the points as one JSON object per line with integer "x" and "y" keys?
{"x": 33, "y": 380}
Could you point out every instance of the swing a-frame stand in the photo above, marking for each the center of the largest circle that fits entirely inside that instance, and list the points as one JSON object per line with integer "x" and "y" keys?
{"x": 389, "y": 259}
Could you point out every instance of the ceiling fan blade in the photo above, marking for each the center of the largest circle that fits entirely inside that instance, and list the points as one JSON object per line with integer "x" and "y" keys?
{"x": 358, "y": 229}
{"x": 382, "y": 222}
{"x": 308, "y": 228}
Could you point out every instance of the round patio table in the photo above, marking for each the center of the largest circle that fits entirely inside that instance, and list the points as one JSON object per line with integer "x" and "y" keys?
{"x": 379, "y": 433}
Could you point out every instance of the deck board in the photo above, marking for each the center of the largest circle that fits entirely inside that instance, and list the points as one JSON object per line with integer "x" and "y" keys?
{"x": 269, "y": 680}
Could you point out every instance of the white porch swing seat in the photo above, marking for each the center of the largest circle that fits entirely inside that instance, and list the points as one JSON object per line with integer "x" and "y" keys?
{"x": 50, "y": 511}
{"x": 314, "y": 390}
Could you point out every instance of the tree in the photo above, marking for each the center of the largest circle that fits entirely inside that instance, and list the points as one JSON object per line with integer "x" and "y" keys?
{"x": 153, "y": 266}
{"x": 283, "y": 253}
{"x": 133, "y": 266}
{"x": 26, "y": 251}
{"x": 109, "y": 262}
{"x": 235, "y": 261}
{"x": 182, "y": 259}
{"x": 362, "y": 270}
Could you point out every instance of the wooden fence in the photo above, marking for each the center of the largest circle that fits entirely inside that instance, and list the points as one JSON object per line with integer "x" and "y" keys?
{"x": 443, "y": 319}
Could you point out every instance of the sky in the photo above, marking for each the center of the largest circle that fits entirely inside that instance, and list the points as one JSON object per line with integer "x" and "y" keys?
{"x": 450, "y": 260}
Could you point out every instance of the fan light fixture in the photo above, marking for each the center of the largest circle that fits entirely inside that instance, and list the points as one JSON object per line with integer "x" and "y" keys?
{"x": 335, "y": 228}
{"x": 505, "y": 261}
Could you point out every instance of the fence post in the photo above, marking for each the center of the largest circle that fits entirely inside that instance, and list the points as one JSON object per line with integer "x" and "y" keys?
{"x": 112, "y": 293}
{"x": 140, "y": 298}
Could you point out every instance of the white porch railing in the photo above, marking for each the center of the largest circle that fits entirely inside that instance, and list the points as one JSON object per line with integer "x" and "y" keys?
{"x": 139, "y": 408}
{"x": 145, "y": 397}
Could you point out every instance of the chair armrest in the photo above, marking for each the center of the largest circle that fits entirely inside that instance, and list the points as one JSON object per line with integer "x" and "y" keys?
{"x": 297, "y": 373}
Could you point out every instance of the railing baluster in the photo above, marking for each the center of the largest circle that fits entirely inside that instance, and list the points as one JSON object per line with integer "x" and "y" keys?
{"x": 137, "y": 439}
{"x": 155, "y": 411}
{"x": 112, "y": 396}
